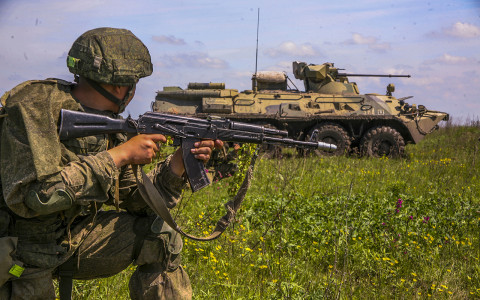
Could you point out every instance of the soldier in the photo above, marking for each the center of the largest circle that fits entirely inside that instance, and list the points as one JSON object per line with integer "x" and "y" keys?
{"x": 51, "y": 221}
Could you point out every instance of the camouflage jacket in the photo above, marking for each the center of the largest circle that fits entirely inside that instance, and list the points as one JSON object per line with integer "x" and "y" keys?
{"x": 34, "y": 161}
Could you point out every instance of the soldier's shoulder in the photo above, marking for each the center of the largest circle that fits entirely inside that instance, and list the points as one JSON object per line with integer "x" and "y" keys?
{"x": 36, "y": 88}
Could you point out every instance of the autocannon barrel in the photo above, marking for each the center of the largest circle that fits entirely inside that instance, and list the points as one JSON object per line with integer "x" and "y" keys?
{"x": 371, "y": 75}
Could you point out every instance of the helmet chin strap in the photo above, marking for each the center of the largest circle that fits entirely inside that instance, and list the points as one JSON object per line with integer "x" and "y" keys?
{"x": 122, "y": 103}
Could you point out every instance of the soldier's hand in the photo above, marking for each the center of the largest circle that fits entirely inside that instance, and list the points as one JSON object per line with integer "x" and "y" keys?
{"x": 140, "y": 149}
{"x": 202, "y": 151}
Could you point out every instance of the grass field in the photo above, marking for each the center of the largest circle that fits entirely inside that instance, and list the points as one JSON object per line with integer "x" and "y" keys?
{"x": 340, "y": 227}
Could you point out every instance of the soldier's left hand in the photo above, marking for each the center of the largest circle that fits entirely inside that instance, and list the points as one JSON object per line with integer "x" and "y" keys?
{"x": 203, "y": 149}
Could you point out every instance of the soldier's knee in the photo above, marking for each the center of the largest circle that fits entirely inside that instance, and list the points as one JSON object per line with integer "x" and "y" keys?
{"x": 163, "y": 285}
{"x": 159, "y": 274}
{"x": 157, "y": 246}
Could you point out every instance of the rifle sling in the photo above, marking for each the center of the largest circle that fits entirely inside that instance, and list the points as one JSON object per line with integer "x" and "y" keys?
{"x": 65, "y": 276}
{"x": 157, "y": 203}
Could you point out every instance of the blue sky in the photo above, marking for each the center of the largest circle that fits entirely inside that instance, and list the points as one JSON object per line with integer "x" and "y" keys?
{"x": 437, "y": 42}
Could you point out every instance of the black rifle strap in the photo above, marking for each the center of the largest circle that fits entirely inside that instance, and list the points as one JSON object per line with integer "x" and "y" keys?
{"x": 65, "y": 275}
{"x": 158, "y": 204}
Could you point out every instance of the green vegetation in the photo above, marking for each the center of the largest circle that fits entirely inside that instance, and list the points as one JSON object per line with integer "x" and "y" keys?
{"x": 339, "y": 227}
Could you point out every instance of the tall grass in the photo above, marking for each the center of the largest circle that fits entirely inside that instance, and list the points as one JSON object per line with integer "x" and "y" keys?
{"x": 340, "y": 227}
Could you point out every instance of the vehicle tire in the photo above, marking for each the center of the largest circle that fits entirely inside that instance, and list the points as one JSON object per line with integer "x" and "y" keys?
{"x": 332, "y": 134}
{"x": 382, "y": 141}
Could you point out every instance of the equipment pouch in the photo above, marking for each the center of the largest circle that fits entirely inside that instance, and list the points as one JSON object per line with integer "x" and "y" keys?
{"x": 8, "y": 266}
{"x": 175, "y": 243}
{"x": 60, "y": 200}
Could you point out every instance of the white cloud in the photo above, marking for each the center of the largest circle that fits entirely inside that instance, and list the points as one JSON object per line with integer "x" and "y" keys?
{"x": 428, "y": 82}
{"x": 463, "y": 30}
{"x": 292, "y": 49}
{"x": 172, "y": 40}
{"x": 457, "y": 30}
{"x": 193, "y": 60}
{"x": 372, "y": 42}
{"x": 359, "y": 39}
{"x": 451, "y": 60}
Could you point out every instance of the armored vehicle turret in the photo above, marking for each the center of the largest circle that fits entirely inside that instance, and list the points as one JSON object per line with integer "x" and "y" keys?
{"x": 331, "y": 109}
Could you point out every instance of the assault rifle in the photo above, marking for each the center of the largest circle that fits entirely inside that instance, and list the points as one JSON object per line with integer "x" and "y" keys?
{"x": 184, "y": 130}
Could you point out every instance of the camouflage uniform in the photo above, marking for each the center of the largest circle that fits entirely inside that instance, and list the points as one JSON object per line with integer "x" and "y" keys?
{"x": 36, "y": 168}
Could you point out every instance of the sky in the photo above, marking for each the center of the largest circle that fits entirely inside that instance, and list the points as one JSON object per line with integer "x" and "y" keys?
{"x": 436, "y": 42}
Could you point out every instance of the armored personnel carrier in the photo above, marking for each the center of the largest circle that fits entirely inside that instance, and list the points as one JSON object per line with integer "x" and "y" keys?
{"x": 331, "y": 109}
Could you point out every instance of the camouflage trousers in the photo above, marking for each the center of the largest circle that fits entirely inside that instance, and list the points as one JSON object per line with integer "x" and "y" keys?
{"x": 116, "y": 241}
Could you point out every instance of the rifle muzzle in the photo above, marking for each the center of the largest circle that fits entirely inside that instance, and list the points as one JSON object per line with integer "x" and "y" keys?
{"x": 326, "y": 146}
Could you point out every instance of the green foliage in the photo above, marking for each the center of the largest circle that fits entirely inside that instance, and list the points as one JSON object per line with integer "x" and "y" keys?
{"x": 339, "y": 227}
{"x": 244, "y": 156}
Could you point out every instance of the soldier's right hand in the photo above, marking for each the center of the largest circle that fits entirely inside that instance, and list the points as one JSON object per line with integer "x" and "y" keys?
{"x": 140, "y": 149}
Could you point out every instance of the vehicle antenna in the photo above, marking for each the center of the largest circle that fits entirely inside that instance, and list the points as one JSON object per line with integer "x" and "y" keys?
{"x": 256, "y": 55}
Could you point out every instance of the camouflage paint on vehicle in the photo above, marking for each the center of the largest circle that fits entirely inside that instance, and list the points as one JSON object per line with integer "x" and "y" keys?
{"x": 376, "y": 125}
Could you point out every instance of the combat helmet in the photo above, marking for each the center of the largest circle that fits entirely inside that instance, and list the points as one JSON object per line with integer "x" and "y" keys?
{"x": 112, "y": 56}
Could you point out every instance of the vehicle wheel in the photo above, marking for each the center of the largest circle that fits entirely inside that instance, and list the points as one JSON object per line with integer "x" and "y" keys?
{"x": 332, "y": 134}
{"x": 382, "y": 141}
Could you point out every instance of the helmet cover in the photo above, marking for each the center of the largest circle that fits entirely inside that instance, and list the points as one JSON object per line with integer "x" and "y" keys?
{"x": 110, "y": 55}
